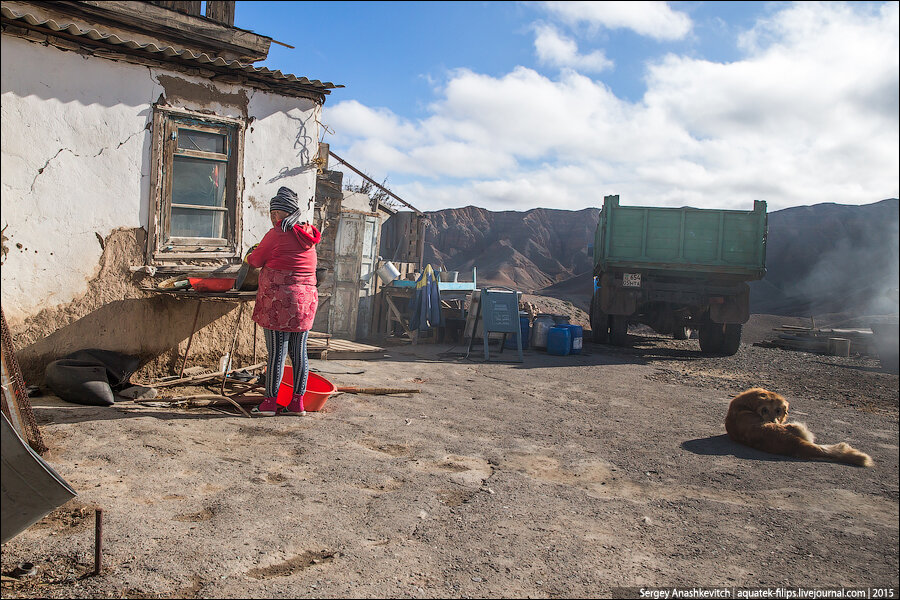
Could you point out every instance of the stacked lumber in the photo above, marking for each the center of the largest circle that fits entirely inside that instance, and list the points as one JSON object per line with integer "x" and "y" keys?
{"x": 823, "y": 341}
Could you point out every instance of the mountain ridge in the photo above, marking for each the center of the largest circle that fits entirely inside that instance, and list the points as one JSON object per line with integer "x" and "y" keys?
{"x": 826, "y": 257}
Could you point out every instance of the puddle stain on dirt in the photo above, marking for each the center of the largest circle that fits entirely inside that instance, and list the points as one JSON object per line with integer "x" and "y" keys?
{"x": 597, "y": 480}
{"x": 468, "y": 471}
{"x": 71, "y": 516}
{"x": 454, "y": 498}
{"x": 205, "y": 514}
{"x": 255, "y": 431}
{"x": 292, "y": 565}
{"x": 390, "y": 449}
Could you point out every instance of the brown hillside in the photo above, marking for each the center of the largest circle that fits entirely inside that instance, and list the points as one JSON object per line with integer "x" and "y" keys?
{"x": 826, "y": 258}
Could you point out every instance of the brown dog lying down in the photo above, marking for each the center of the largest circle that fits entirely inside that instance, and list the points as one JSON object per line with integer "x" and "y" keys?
{"x": 756, "y": 418}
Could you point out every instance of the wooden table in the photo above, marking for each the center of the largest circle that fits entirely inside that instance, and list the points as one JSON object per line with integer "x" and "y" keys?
{"x": 402, "y": 292}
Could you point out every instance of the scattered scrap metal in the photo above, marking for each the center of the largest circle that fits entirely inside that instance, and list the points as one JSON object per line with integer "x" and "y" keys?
{"x": 837, "y": 342}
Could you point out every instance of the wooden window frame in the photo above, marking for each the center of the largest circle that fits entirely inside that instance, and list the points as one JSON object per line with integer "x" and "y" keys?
{"x": 161, "y": 247}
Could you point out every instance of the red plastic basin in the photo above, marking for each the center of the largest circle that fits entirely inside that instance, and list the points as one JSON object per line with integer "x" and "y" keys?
{"x": 317, "y": 390}
{"x": 212, "y": 284}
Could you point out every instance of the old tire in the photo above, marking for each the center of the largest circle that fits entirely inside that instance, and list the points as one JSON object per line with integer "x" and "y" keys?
{"x": 712, "y": 337}
{"x": 599, "y": 324}
{"x": 618, "y": 330}
{"x": 731, "y": 341}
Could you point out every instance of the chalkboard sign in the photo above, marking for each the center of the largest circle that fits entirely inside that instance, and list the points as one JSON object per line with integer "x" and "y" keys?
{"x": 500, "y": 311}
{"x": 500, "y": 314}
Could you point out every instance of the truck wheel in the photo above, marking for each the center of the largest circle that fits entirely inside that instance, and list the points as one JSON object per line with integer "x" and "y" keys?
{"x": 712, "y": 337}
{"x": 731, "y": 341}
{"x": 618, "y": 330}
{"x": 599, "y": 324}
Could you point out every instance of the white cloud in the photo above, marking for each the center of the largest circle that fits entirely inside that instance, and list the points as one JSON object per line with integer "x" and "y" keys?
{"x": 652, "y": 19}
{"x": 809, "y": 115}
{"x": 559, "y": 51}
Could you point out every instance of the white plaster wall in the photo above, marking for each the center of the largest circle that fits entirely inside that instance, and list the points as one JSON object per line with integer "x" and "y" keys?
{"x": 74, "y": 146}
{"x": 279, "y": 147}
{"x": 76, "y": 159}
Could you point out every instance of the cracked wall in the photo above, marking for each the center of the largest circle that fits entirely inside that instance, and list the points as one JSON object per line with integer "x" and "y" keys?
{"x": 76, "y": 142}
{"x": 115, "y": 313}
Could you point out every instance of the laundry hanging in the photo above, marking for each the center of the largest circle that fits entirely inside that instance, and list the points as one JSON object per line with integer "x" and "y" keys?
{"x": 426, "y": 302}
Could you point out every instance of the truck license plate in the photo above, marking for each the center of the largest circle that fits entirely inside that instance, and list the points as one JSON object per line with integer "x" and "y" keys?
{"x": 631, "y": 280}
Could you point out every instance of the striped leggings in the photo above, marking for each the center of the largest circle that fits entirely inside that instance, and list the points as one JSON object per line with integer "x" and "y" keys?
{"x": 280, "y": 344}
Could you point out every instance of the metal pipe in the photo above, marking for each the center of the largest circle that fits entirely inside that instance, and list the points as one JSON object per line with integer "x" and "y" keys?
{"x": 237, "y": 327}
{"x": 98, "y": 541}
{"x": 190, "y": 339}
{"x": 376, "y": 184}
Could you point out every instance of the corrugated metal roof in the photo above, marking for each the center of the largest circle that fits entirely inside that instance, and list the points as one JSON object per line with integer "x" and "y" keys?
{"x": 168, "y": 51}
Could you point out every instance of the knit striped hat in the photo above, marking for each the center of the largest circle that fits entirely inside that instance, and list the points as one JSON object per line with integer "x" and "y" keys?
{"x": 287, "y": 201}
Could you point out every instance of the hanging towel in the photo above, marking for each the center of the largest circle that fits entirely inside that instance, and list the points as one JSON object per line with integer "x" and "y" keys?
{"x": 426, "y": 303}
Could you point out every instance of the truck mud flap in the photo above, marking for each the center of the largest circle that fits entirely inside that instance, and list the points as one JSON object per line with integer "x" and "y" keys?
{"x": 734, "y": 309}
{"x": 614, "y": 300}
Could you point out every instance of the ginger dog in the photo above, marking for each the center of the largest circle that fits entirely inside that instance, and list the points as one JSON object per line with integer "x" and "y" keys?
{"x": 756, "y": 418}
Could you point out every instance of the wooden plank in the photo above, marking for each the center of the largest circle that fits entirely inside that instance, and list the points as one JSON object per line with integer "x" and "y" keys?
{"x": 341, "y": 349}
{"x": 166, "y": 23}
{"x": 350, "y": 346}
{"x": 221, "y": 12}
{"x": 398, "y": 315}
{"x": 188, "y": 7}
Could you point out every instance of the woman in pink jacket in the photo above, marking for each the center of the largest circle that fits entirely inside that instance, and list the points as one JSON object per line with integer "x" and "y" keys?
{"x": 287, "y": 298}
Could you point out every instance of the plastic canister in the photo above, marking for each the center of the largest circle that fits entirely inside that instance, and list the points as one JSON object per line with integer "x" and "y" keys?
{"x": 577, "y": 338}
{"x": 560, "y": 319}
{"x": 559, "y": 341}
{"x": 542, "y": 324}
{"x": 524, "y": 329}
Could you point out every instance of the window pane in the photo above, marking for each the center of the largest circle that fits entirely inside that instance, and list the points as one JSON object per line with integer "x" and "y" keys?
{"x": 198, "y": 182}
{"x": 187, "y": 222}
{"x": 190, "y": 139}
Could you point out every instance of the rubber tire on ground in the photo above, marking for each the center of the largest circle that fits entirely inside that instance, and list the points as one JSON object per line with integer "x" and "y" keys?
{"x": 618, "y": 330}
{"x": 731, "y": 342}
{"x": 711, "y": 338}
{"x": 599, "y": 324}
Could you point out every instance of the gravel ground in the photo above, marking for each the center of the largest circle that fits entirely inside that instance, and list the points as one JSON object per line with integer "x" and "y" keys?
{"x": 562, "y": 477}
{"x": 856, "y": 381}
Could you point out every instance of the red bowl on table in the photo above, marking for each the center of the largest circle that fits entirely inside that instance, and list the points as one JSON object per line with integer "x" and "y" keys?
{"x": 212, "y": 284}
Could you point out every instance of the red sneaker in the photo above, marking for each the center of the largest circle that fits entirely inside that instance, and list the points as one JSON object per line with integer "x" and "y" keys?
{"x": 295, "y": 408}
{"x": 267, "y": 408}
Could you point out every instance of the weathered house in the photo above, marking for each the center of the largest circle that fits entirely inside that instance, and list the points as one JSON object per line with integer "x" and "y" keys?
{"x": 138, "y": 142}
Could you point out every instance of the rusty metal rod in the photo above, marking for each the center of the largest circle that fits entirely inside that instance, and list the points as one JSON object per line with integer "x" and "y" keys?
{"x": 378, "y": 391}
{"x": 190, "y": 339}
{"x": 98, "y": 541}
{"x": 376, "y": 184}
{"x": 237, "y": 328}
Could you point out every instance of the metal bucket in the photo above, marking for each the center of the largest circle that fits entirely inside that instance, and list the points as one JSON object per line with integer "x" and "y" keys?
{"x": 449, "y": 276}
{"x": 387, "y": 273}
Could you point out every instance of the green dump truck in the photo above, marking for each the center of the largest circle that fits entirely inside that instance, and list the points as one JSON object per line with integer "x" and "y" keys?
{"x": 677, "y": 270}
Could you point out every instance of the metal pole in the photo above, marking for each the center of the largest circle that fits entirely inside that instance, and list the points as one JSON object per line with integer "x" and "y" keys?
{"x": 98, "y": 540}
{"x": 190, "y": 339}
{"x": 237, "y": 327}
{"x": 376, "y": 184}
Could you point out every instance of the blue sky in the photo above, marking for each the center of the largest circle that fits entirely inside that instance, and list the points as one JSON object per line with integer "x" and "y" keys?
{"x": 519, "y": 105}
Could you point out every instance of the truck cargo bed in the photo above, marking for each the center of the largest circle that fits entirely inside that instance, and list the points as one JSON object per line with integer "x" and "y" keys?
{"x": 683, "y": 240}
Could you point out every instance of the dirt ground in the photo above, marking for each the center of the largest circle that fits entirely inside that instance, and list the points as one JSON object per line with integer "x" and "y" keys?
{"x": 572, "y": 476}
